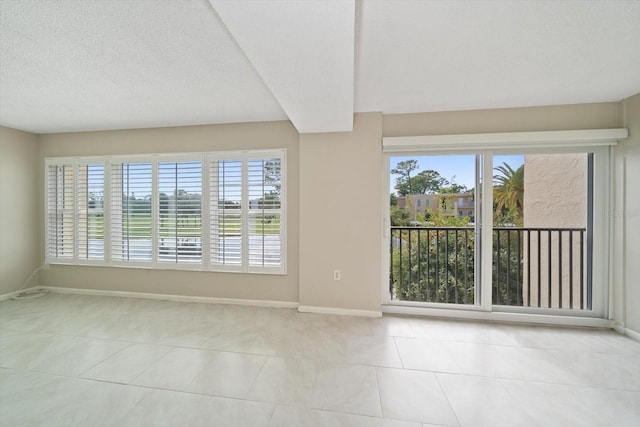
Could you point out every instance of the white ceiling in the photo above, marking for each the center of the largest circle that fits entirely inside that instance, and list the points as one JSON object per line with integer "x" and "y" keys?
{"x": 94, "y": 65}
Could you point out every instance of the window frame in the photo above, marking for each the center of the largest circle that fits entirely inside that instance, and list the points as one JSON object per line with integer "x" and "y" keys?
{"x": 601, "y": 142}
{"x": 206, "y": 159}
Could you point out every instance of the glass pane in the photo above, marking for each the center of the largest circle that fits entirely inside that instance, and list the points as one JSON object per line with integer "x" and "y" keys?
{"x": 60, "y": 187}
{"x": 226, "y": 212}
{"x": 264, "y": 186}
{"x": 180, "y": 196}
{"x": 432, "y": 253}
{"x": 131, "y": 211}
{"x": 540, "y": 227}
{"x": 90, "y": 202}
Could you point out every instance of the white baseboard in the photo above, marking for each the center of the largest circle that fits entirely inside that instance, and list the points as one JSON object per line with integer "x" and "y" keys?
{"x": 339, "y": 311}
{"x": 632, "y": 334}
{"x": 619, "y": 329}
{"x": 9, "y": 295}
{"x": 169, "y": 297}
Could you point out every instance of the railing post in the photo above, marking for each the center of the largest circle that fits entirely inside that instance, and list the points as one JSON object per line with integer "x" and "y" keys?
{"x": 508, "y": 263}
{"x": 391, "y": 265}
{"x": 560, "y": 269}
{"x": 446, "y": 265}
{"x": 466, "y": 266}
{"x": 428, "y": 262}
{"x": 455, "y": 289}
{"x": 539, "y": 269}
{"x": 497, "y": 261}
{"x": 437, "y": 275}
{"x": 409, "y": 281}
{"x": 571, "y": 269}
{"x": 581, "y": 270}
{"x": 519, "y": 282}
{"x": 419, "y": 264}
{"x": 549, "y": 287}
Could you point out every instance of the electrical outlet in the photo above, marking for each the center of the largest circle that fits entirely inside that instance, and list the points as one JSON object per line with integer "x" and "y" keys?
{"x": 336, "y": 275}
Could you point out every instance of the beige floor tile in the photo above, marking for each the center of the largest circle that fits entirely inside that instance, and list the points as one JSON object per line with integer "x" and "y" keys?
{"x": 176, "y": 370}
{"x": 285, "y": 381}
{"x": 414, "y": 396}
{"x": 63, "y": 362}
{"x": 568, "y": 405}
{"x": 228, "y": 375}
{"x": 127, "y": 364}
{"x": 80, "y": 358}
{"x": 480, "y": 401}
{"x": 165, "y": 408}
{"x": 425, "y": 355}
{"x": 234, "y": 413}
{"x": 347, "y": 388}
{"x": 373, "y": 350}
{"x": 289, "y": 416}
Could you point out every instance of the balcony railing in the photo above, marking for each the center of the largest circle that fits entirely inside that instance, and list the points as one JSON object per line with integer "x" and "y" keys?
{"x": 531, "y": 267}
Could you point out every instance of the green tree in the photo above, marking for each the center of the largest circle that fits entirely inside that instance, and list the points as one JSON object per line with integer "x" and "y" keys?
{"x": 404, "y": 181}
{"x": 399, "y": 217}
{"x": 427, "y": 182}
{"x": 272, "y": 171}
{"x": 508, "y": 191}
{"x": 433, "y": 264}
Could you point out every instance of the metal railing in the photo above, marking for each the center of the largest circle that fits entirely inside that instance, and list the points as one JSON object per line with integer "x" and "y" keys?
{"x": 531, "y": 267}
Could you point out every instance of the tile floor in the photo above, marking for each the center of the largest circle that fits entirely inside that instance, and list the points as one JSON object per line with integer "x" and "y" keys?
{"x": 87, "y": 361}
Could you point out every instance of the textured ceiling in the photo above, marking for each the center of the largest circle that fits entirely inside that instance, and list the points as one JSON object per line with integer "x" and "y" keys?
{"x": 93, "y": 65}
{"x": 460, "y": 55}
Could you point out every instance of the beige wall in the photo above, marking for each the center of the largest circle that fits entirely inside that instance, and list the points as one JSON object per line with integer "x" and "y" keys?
{"x": 19, "y": 218}
{"x": 335, "y": 196}
{"x": 631, "y": 213}
{"x": 341, "y": 216}
{"x": 530, "y": 119}
{"x": 182, "y": 139}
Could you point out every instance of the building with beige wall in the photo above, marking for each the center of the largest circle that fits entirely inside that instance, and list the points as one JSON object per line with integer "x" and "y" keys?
{"x": 458, "y": 204}
{"x": 555, "y": 197}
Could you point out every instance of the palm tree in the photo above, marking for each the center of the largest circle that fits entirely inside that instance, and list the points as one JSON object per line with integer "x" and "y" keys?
{"x": 508, "y": 189}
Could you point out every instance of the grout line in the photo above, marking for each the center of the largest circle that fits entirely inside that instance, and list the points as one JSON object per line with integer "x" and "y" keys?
{"x": 379, "y": 393}
{"x": 447, "y": 397}
{"x": 554, "y": 351}
{"x": 395, "y": 344}
{"x": 264, "y": 362}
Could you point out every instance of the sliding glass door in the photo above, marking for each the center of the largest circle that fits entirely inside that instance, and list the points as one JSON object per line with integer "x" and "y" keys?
{"x": 526, "y": 219}
{"x": 434, "y": 209}
{"x": 543, "y": 230}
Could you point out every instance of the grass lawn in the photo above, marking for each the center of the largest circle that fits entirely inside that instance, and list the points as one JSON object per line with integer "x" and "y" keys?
{"x": 140, "y": 226}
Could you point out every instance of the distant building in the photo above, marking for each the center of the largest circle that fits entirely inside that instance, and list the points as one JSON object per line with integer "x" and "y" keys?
{"x": 459, "y": 204}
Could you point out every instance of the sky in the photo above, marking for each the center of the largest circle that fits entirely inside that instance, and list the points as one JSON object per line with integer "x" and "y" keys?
{"x": 457, "y": 167}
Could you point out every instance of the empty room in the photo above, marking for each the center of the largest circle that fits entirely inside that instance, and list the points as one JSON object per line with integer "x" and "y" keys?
{"x": 389, "y": 213}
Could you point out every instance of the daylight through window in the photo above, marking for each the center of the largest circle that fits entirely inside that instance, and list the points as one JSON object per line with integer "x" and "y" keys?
{"x": 215, "y": 211}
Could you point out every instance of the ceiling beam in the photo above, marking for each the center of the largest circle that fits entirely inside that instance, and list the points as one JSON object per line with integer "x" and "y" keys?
{"x": 304, "y": 52}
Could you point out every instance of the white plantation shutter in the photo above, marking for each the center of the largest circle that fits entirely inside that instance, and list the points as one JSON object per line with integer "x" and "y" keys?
{"x": 90, "y": 211}
{"x": 264, "y": 189}
{"x": 221, "y": 211}
{"x": 131, "y": 219}
{"x": 179, "y": 212}
{"x": 60, "y": 219}
{"x": 225, "y": 188}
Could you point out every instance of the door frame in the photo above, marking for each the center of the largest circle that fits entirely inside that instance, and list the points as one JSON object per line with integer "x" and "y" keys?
{"x": 601, "y": 142}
